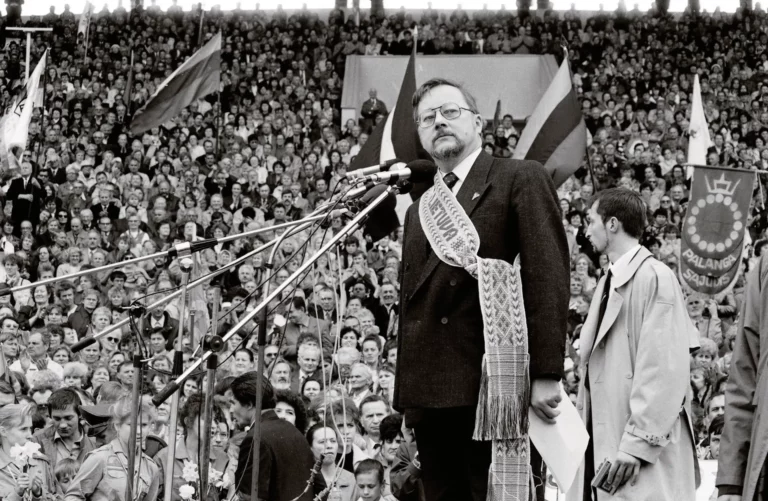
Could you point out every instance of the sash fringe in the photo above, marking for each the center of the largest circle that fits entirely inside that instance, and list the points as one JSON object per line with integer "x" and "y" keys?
{"x": 500, "y": 417}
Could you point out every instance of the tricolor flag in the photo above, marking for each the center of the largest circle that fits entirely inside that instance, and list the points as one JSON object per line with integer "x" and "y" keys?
{"x": 396, "y": 137}
{"x": 555, "y": 135}
{"x": 698, "y": 131}
{"x": 199, "y": 76}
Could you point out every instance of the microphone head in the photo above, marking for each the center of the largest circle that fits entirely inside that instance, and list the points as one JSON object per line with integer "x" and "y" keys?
{"x": 422, "y": 171}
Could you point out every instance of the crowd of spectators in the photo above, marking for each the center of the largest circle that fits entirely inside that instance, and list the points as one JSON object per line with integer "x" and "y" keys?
{"x": 270, "y": 148}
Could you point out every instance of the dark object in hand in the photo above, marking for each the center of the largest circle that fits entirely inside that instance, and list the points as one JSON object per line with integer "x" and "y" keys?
{"x": 600, "y": 481}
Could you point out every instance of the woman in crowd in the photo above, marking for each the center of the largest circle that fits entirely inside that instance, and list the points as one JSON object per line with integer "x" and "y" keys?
{"x": 583, "y": 268}
{"x": 70, "y": 262}
{"x": 324, "y": 442}
{"x": 34, "y": 481}
{"x": 290, "y": 407}
{"x": 33, "y": 316}
{"x": 360, "y": 382}
{"x": 104, "y": 473}
{"x": 187, "y": 447}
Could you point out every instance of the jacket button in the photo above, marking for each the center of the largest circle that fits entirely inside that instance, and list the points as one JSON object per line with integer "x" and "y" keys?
{"x": 444, "y": 320}
{"x": 407, "y": 266}
{"x": 453, "y": 282}
{"x": 601, "y": 345}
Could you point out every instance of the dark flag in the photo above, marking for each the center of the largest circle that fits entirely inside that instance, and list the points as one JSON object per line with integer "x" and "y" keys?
{"x": 396, "y": 137}
{"x": 713, "y": 230}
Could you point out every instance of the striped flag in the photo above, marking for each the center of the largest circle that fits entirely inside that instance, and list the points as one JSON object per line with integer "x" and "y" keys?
{"x": 555, "y": 135}
{"x": 396, "y": 137}
{"x": 199, "y": 76}
{"x": 698, "y": 131}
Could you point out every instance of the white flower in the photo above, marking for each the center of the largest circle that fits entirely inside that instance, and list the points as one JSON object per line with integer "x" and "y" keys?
{"x": 186, "y": 491}
{"x": 21, "y": 454}
{"x": 226, "y": 481}
{"x": 189, "y": 474}
{"x": 214, "y": 477}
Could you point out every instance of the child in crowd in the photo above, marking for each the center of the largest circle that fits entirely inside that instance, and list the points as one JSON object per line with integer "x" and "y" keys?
{"x": 369, "y": 476}
{"x": 65, "y": 471}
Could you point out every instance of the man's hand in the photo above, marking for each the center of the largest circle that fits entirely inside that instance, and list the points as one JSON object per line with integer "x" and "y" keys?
{"x": 545, "y": 396}
{"x": 729, "y": 497}
{"x": 623, "y": 468}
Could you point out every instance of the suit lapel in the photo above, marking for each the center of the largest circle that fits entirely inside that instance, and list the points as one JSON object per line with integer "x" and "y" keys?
{"x": 475, "y": 183}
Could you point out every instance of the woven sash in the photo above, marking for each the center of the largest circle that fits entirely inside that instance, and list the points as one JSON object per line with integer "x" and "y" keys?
{"x": 502, "y": 408}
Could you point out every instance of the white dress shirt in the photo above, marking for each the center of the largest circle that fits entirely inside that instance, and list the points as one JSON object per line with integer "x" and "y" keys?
{"x": 462, "y": 170}
{"x": 623, "y": 262}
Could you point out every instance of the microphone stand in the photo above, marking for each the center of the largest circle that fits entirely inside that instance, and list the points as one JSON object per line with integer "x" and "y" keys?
{"x": 178, "y": 365}
{"x": 87, "y": 341}
{"x": 215, "y": 346}
{"x": 171, "y": 387}
{"x": 138, "y": 377}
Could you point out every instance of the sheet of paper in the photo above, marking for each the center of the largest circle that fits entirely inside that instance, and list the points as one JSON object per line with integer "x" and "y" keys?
{"x": 562, "y": 444}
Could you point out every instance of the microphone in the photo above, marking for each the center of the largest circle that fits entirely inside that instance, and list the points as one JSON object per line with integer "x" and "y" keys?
{"x": 418, "y": 171}
{"x": 382, "y": 167}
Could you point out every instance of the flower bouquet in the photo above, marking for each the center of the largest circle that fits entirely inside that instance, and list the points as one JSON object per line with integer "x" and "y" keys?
{"x": 21, "y": 454}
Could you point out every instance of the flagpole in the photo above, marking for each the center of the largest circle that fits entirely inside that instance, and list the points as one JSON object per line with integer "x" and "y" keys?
{"x": 724, "y": 167}
{"x": 39, "y": 139}
{"x": 128, "y": 91}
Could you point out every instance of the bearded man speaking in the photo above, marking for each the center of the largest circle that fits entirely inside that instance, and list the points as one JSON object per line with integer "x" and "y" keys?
{"x": 484, "y": 306}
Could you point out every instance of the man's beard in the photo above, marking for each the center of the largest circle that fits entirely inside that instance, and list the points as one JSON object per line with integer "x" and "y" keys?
{"x": 447, "y": 152}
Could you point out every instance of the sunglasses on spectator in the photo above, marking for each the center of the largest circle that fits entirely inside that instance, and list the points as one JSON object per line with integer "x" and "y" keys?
{"x": 113, "y": 339}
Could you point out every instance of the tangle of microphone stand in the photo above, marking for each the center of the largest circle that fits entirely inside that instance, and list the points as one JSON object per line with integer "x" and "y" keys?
{"x": 303, "y": 247}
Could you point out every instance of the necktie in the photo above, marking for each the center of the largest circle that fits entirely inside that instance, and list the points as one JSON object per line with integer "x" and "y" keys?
{"x": 450, "y": 180}
{"x": 604, "y": 298}
{"x": 601, "y": 313}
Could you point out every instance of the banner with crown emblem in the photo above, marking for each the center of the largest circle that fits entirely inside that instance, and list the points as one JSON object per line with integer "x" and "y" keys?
{"x": 713, "y": 229}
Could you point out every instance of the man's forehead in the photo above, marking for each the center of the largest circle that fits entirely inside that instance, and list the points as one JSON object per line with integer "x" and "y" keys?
{"x": 440, "y": 95}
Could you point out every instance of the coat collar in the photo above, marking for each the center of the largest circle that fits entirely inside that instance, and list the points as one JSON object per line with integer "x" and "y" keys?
{"x": 475, "y": 183}
{"x": 592, "y": 333}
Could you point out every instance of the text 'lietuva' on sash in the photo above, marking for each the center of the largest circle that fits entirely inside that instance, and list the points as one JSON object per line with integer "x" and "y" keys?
{"x": 502, "y": 409}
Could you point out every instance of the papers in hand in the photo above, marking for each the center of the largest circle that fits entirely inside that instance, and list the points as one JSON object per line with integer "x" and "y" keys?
{"x": 561, "y": 445}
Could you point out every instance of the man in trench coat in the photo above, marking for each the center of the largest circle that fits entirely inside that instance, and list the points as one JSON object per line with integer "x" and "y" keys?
{"x": 741, "y": 468}
{"x": 635, "y": 366}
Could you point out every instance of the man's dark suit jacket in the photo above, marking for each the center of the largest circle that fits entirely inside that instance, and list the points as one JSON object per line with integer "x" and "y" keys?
{"x": 169, "y": 331}
{"x": 514, "y": 207}
{"x": 112, "y": 211}
{"x": 24, "y": 209}
{"x": 285, "y": 462}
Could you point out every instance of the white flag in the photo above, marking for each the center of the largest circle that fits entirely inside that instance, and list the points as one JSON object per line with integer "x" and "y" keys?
{"x": 85, "y": 20}
{"x": 23, "y": 110}
{"x": 698, "y": 130}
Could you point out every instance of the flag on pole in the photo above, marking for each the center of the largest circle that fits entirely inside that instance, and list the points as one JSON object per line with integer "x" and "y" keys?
{"x": 555, "y": 135}
{"x": 85, "y": 20}
{"x": 497, "y": 116}
{"x": 129, "y": 87}
{"x": 200, "y": 30}
{"x": 698, "y": 131}
{"x": 396, "y": 137}
{"x": 714, "y": 226}
{"x": 199, "y": 76}
{"x": 14, "y": 127}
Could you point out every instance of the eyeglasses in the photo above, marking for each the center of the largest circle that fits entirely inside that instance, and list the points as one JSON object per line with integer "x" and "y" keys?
{"x": 450, "y": 111}
{"x": 113, "y": 339}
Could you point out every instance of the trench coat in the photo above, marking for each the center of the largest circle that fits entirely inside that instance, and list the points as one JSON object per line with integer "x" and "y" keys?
{"x": 638, "y": 377}
{"x": 744, "y": 442}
